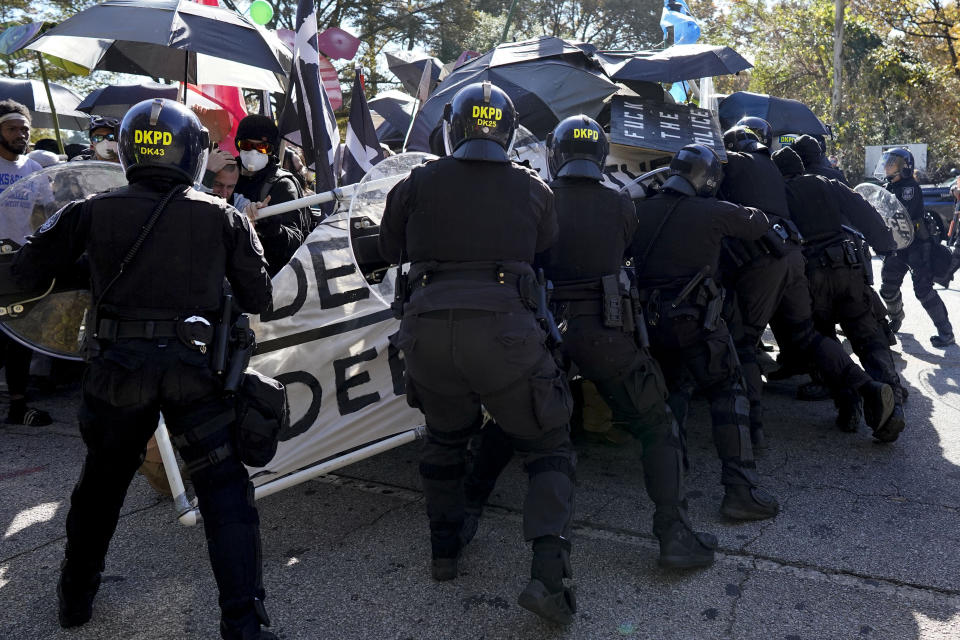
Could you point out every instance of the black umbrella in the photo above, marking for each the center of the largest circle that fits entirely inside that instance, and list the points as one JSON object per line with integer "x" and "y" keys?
{"x": 673, "y": 64}
{"x": 408, "y": 67}
{"x": 396, "y": 110}
{"x": 547, "y": 78}
{"x": 33, "y": 95}
{"x": 114, "y": 101}
{"x": 783, "y": 114}
{"x": 174, "y": 39}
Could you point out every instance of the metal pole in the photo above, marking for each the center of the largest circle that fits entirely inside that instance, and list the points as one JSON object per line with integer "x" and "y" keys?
{"x": 327, "y": 196}
{"x": 190, "y": 518}
{"x": 53, "y": 108}
{"x": 506, "y": 26}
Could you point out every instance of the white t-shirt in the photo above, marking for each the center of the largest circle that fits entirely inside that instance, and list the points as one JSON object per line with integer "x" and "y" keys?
{"x": 23, "y": 210}
{"x": 10, "y": 172}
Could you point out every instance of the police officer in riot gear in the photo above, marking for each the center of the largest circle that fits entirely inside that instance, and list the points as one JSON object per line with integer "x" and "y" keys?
{"x": 896, "y": 166}
{"x": 597, "y": 225}
{"x": 835, "y": 221}
{"x": 770, "y": 285}
{"x": 759, "y": 127}
{"x": 676, "y": 251}
{"x": 810, "y": 151}
{"x": 470, "y": 224}
{"x": 158, "y": 254}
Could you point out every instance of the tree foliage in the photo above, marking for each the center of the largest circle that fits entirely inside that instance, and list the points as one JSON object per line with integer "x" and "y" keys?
{"x": 899, "y": 70}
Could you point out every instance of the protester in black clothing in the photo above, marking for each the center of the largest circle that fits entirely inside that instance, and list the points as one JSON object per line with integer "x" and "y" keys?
{"x": 159, "y": 255}
{"x": 258, "y": 141}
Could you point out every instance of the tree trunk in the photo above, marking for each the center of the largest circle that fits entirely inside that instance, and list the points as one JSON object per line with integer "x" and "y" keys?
{"x": 837, "y": 61}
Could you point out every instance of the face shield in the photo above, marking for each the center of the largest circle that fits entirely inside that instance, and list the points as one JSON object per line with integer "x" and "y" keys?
{"x": 888, "y": 166}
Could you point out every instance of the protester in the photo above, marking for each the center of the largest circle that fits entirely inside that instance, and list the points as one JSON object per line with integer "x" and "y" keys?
{"x": 258, "y": 141}
{"x": 103, "y": 140}
{"x": 14, "y": 166}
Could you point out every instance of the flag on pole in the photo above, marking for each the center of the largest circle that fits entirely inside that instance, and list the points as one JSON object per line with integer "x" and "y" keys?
{"x": 362, "y": 147}
{"x": 316, "y": 130}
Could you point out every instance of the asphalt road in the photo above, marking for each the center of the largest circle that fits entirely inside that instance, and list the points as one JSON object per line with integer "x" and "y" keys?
{"x": 866, "y": 546}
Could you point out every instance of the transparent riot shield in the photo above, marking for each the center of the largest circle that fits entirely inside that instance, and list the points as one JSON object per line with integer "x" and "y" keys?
{"x": 891, "y": 210}
{"x": 366, "y": 212}
{"x": 53, "y": 322}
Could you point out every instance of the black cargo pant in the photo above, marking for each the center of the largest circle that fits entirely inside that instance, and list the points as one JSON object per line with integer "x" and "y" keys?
{"x": 842, "y": 296}
{"x": 124, "y": 391}
{"x": 458, "y": 360}
{"x": 688, "y": 352}
{"x": 916, "y": 259}
{"x": 631, "y": 383}
{"x": 776, "y": 289}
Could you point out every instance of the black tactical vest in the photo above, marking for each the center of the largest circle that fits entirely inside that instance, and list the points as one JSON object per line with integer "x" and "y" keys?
{"x": 180, "y": 267}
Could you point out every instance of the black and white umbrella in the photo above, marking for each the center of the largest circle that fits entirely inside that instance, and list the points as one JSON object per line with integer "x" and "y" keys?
{"x": 114, "y": 101}
{"x": 173, "y": 39}
{"x": 394, "y": 109}
{"x": 33, "y": 95}
{"x": 408, "y": 66}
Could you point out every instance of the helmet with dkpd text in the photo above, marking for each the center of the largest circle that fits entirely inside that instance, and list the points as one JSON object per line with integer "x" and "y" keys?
{"x": 165, "y": 137}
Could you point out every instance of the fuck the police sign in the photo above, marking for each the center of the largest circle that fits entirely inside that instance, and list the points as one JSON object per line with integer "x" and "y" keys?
{"x": 662, "y": 127}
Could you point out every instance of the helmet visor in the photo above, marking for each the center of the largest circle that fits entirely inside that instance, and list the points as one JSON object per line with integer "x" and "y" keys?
{"x": 888, "y": 166}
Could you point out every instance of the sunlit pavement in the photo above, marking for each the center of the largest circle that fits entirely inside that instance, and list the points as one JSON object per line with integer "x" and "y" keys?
{"x": 866, "y": 545}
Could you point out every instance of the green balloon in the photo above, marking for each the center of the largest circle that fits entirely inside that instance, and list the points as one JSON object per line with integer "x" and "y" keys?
{"x": 261, "y": 12}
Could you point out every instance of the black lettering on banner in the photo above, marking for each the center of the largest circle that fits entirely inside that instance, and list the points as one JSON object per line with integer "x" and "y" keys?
{"x": 329, "y": 300}
{"x": 345, "y": 403}
{"x": 397, "y": 369}
{"x": 300, "y": 426}
{"x": 298, "y": 300}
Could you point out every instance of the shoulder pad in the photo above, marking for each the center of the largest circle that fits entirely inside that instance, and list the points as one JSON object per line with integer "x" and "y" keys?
{"x": 530, "y": 171}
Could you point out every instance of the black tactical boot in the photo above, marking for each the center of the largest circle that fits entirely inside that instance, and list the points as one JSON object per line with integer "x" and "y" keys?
{"x": 742, "y": 502}
{"x": 757, "y": 437}
{"x": 943, "y": 340}
{"x": 890, "y": 430}
{"x": 246, "y": 622}
{"x": 75, "y": 594}
{"x": 545, "y": 594}
{"x": 878, "y": 402}
{"x": 683, "y": 548}
{"x": 445, "y": 548}
{"x": 471, "y": 522}
{"x": 895, "y": 311}
{"x": 848, "y": 413}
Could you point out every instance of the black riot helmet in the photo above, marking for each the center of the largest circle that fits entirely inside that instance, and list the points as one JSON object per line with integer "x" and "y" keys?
{"x": 740, "y": 138}
{"x": 696, "y": 170}
{"x": 163, "y": 138}
{"x": 893, "y": 163}
{"x": 479, "y": 123}
{"x": 577, "y": 148}
{"x": 760, "y": 127}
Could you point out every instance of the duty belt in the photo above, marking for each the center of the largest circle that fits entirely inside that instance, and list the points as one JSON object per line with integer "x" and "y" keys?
{"x": 469, "y": 275}
{"x": 110, "y": 329}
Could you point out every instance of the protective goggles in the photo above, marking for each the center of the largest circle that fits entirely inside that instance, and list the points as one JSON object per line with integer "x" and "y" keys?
{"x": 254, "y": 145}
{"x": 100, "y": 137}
